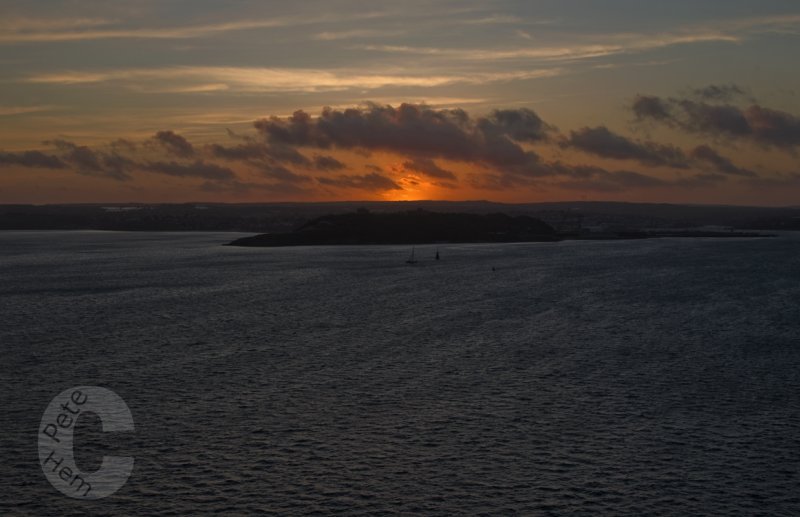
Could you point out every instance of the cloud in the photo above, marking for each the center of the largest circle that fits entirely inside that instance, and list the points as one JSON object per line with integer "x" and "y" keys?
{"x": 651, "y": 107}
{"x": 84, "y": 29}
{"x": 606, "y": 45}
{"x": 112, "y": 165}
{"x": 600, "y": 180}
{"x": 700, "y": 180}
{"x": 589, "y": 178}
{"x": 115, "y": 166}
{"x": 717, "y": 92}
{"x": 193, "y": 79}
{"x": 242, "y": 187}
{"x": 713, "y": 119}
{"x": 174, "y": 144}
{"x": 371, "y": 182}
{"x": 498, "y": 150}
{"x": 328, "y": 163}
{"x": 601, "y": 141}
{"x": 522, "y": 125}
{"x": 719, "y": 163}
{"x": 28, "y": 25}
{"x": 495, "y": 19}
{"x": 95, "y": 163}
{"x": 773, "y": 127}
{"x": 756, "y": 124}
{"x": 786, "y": 180}
{"x": 198, "y": 169}
{"x": 585, "y": 46}
{"x": 33, "y": 159}
{"x": 283, "y": 174}
{"x": 123, "y": 144}
{"x": 429, "y": 168}
{"x": 254, "y": 150}
{"x": 247, "y": 151}
{"x": 635, "y": 179}
{"x": 6, "y": 111}
{"x": 419, "y": 131}
{"x": 286, "y": 154}
{"x": 355, "y": 33}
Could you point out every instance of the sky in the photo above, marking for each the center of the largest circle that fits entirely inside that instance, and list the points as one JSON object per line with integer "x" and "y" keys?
{"x": 684, "y": 101}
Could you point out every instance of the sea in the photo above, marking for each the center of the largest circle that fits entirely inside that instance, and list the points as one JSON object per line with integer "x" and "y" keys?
{"x": 642, "y": 377}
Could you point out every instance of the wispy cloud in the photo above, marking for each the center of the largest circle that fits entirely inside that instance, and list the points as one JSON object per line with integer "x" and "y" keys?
{"x": 356, "y": 33}
{"x": 18, "y": 25}
{"x": 20, "y": 110}
{"x": 523, "y": 34}
{"x": 203, "y": 79}
{"x": 495, "y": 19}
{"x": 83, "y": 29}
{"x": 600, "y": 45}
{"x": 615, "y": 44}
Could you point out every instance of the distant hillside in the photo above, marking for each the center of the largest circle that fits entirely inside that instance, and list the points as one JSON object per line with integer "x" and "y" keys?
{"x": 411, "y": 227}
{"x": 565, "y": 217}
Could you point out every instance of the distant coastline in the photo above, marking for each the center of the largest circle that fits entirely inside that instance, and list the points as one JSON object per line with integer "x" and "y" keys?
{"x": 410, "y": 227}
{"x": 425, "y": 227}
{"x": 567, "y": 218}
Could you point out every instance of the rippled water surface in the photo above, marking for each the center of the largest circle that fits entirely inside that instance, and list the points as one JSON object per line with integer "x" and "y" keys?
{"x": 626, "y": 378}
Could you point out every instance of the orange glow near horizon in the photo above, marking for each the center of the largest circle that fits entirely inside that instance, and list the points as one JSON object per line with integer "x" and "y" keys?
{"x": 260, "y": 102}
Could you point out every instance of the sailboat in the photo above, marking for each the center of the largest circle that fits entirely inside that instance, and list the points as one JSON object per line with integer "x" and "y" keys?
{"x": 411, "y": 259}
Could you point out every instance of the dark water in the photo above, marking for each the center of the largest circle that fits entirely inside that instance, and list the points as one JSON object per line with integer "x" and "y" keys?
{"x": 625, "y": 378}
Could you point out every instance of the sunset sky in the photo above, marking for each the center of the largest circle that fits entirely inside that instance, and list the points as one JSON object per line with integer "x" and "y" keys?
{"x": 506, "y": 100}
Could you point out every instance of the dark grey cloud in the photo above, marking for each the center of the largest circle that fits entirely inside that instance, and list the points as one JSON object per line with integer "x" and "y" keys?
{"x": 241, "y": 152}
{"x": 283, "y": 174}
{"x": 785, "y": 180}
{"x": 630, "y": 179}
{"x": 619, "y": 181}
{"x": 522, "y": 125}
{"x": 721, "y": 92}
{"x": 254, "y": 151}
{"x": 709, "y": 156}
{"x": 647, "y": 107}
{"x": 243, "y": 187}
{"x": 287, "y": 154}
{"x": 198, "y": 169}
{"x": 756, "y": 124}
{"x": 417, "y": 130}
{"x": 773, "y": 127}
{"x": 89, "y": 162}
{"x": 174, "y": 144}
{"x": 371, "y": 182}
{"x": 720, "y": 120}
{"x": 123, "y": 144}
{"x": 328, "y": 163}
{"x": 700, "y": 180}
{"x": 597, "y": 179}
{"x": 497, "y": 147}
{"x": 34, "y": 159}
{"x": 429, "y": 168}
{"x": 497, "y": 181}
{"x": 602, "y": 142}
{"x": 113, "y": 165}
